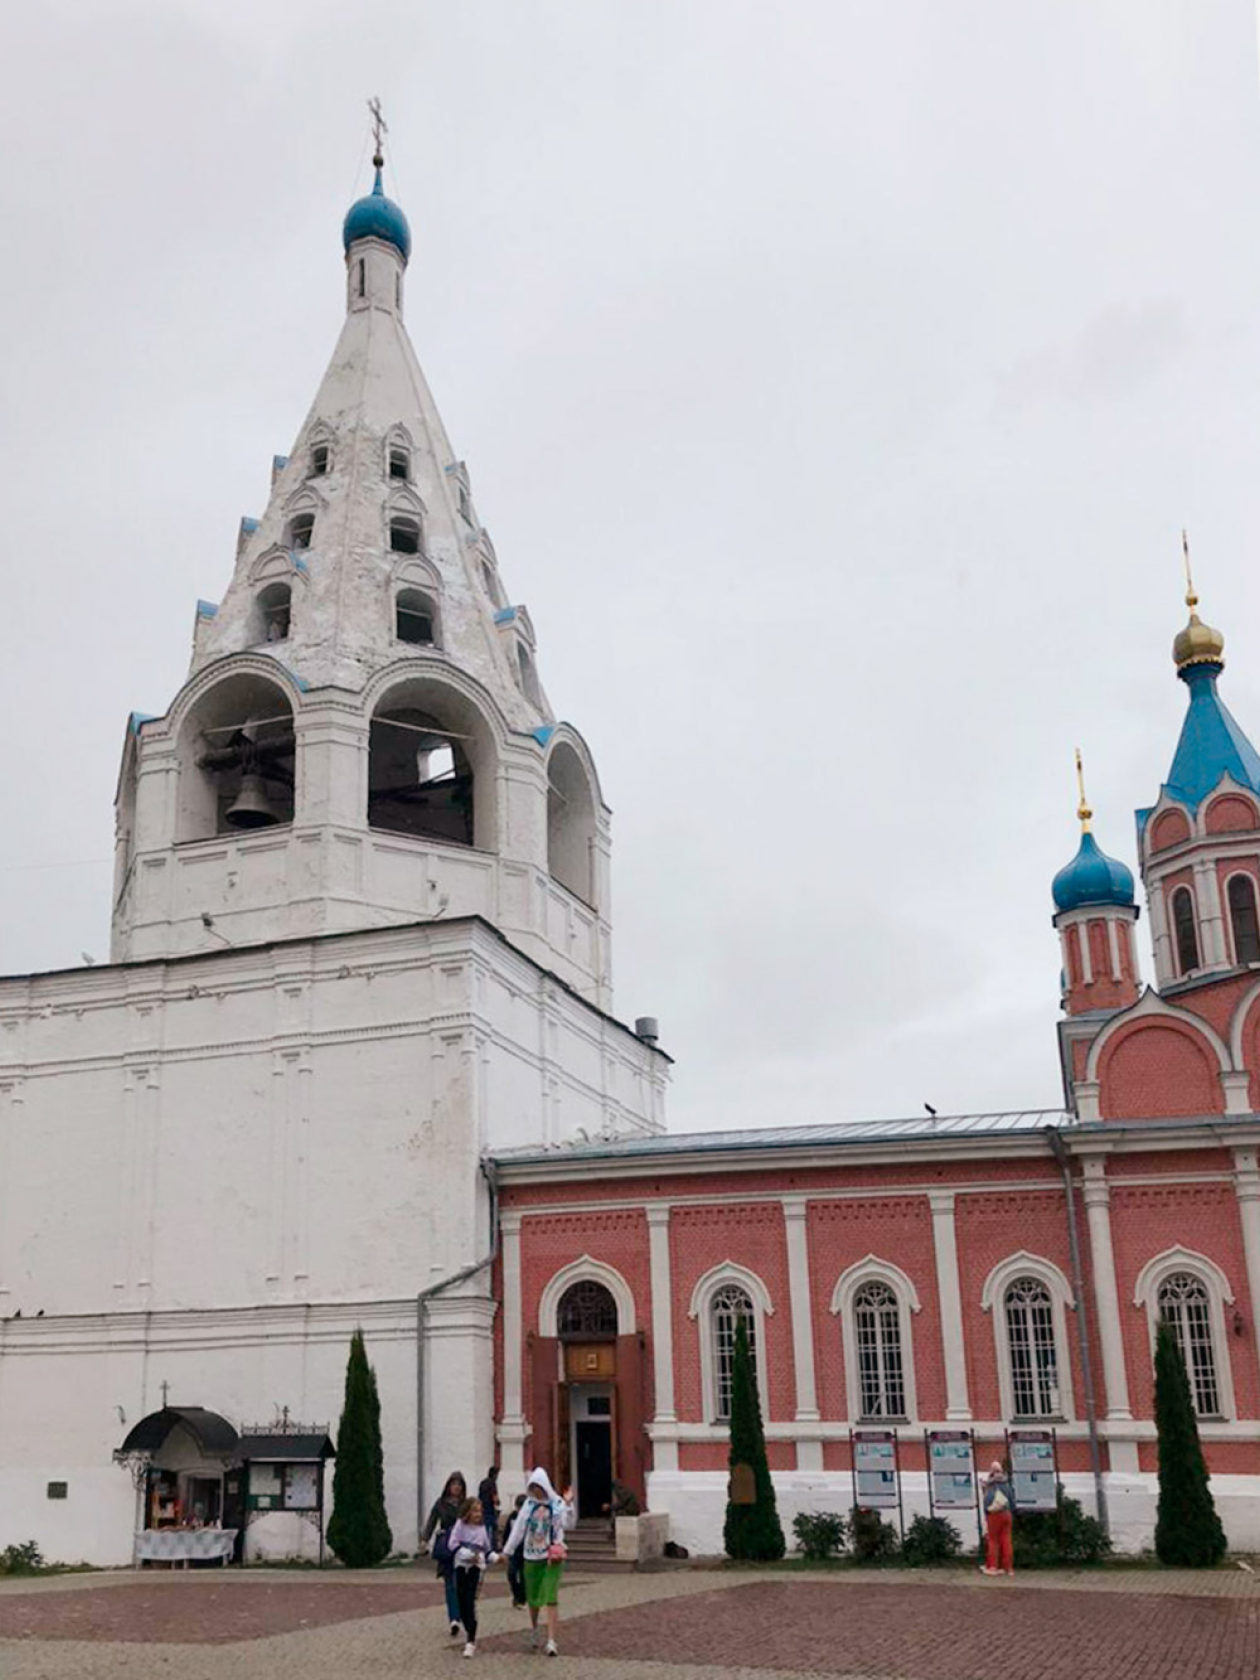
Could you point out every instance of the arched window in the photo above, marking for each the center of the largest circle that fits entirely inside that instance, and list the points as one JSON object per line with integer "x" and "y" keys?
{"x": 1185, "y": 930}
{"x": 399, "y": 461}
{"x": 319, "y": 460}
{"x": 491, "y": 583}
{"x": 1030, "y": 1340}
{"x": 419, "y": 779}
{"x": 301, "y": 529}
{"x": 587, "y": 1312}
{"x": 571, "y": 823}
{"x": 404, "y": 535}
{"x": 272, "y": 611}
{"x": 528, "y": 675}
{"x": 1184, "y": 1303}
{"x": 729, "y": 1304}
{"x": 1242, "y": 919}
{"x": 877, "y": 1334}
{"x": 415, "y": 618}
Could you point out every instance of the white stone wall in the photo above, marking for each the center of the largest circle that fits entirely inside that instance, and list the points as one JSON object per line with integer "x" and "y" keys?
{"x": 213, "y": 1169}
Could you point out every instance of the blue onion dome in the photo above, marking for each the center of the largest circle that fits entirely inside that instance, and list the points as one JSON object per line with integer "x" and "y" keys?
{"x": 1092, "y": 878}
{"x": 377, "y": 217}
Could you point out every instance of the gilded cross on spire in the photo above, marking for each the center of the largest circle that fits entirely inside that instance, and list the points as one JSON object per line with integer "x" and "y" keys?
{"x": 1192, "y": 600}
{"x": 1082, "y": 810}
{"x": 380, "y": 128}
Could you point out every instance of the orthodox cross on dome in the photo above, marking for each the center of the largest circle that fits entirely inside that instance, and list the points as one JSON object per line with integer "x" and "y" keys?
{"x": 1082, "y": 810}
{"x": 166, "y": 1391}
{"x": 380, "y": 128}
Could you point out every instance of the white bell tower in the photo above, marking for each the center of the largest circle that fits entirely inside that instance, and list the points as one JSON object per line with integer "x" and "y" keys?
{"x": 363, "y": 739}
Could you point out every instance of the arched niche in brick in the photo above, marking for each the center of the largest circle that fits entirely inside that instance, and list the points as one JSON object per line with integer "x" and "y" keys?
{"x": 1170, "y": 828}
{"x": 1231, "y": 813}
{"x": 1160, "y": 1067}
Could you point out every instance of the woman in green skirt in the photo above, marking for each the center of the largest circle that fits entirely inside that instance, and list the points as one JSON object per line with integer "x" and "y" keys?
{"x": 539, "y": 1529}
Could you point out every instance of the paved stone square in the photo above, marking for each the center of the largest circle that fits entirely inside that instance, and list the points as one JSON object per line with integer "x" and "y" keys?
{"x": 683, "y": 1625}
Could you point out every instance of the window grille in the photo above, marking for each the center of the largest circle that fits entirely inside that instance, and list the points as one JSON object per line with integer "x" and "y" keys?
{"x": 586, "y": 1310}
{"x": 1185, "y": 930}
{"x": 1033, "y": 1355}
{"x": 1242, "y": 918}
{"x": 1184, "y": 1303}
{"x": 729, "y": 1305}
{"x": 881, "y": 1373}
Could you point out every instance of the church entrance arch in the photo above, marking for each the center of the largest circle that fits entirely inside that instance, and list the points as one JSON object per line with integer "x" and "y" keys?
{"x": 588, "y": 1389}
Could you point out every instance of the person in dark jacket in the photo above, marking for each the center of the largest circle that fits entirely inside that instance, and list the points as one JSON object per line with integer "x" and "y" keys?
{"x": 488, "y": 1493}
{"x": 442, "y": 1518}
{"x": 516, "y": 1562}
{"x": 999, "y": 1523}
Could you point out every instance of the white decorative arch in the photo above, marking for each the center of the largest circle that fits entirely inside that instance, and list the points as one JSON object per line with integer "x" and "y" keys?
{"x": 1220, "y": 1295}
{"x": 275, "y": 565}
{"x": 404, "y": 498}
{"x": 1151, "y": 1005}
{"x": 850, "y": 1281}
{"x": 305, "y": 499}
{"x": 1238, "y": 1025}
{"x": 583, "y": 1271}
{"x": 701, "y": 1310}
{"x": 993, "y": 1295}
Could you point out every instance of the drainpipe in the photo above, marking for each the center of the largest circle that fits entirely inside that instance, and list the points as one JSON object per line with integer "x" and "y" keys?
{"x": 422, "y": 1303}
{"x": 1059, "y": 1151}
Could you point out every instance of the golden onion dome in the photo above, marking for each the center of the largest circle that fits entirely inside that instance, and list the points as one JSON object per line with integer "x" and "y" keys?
{"x": 1198, "y": 643}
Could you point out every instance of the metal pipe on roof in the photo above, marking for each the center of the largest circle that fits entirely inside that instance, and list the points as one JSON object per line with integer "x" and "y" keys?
{"x": 1059, "y": 1151}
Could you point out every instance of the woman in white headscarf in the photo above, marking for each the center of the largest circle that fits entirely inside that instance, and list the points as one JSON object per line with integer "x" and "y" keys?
{"x": 540, "y": 1529}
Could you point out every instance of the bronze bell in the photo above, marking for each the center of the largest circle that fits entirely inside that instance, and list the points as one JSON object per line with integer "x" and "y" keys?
{"x": 252, "y": 808}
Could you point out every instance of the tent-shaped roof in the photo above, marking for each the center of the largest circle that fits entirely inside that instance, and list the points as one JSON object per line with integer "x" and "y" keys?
{"x": 213, "y": 1434}
{"x": 286, "y": 1448}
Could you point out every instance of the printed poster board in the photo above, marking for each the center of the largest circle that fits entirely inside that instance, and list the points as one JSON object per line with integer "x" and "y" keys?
{"x": 875, "y": 1469}
{"x": 301, "y": 1486}
{"x": 952, "y": 1467}
{"x": 1034, "y": 1475}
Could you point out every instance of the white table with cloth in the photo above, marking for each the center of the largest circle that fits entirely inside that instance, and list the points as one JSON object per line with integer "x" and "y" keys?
{"x": 183, "y": 1545}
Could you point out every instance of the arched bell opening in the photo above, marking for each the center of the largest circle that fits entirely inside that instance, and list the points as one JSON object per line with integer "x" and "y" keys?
{"x": 571, "y": 823}
{"x": 238, "y": 759}
{"x": 431, "y": 762}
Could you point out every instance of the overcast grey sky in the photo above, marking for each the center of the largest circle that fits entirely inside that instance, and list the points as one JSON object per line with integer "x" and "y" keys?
{"x": 835, "y": 379}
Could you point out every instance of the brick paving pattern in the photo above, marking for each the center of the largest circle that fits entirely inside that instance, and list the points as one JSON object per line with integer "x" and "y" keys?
{"x": 678, "y": 1625}
{"x": 191, "y": 1611}
{"x": 935, "y": 1633}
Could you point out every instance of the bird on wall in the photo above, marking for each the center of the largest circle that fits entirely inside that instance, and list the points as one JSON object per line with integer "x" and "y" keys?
{"x": 930, "y": 1110}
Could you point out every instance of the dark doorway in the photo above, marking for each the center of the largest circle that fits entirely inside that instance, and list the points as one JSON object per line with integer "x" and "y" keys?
{"x": 234, "y": 1508}
{"x": 594, "y": 1477}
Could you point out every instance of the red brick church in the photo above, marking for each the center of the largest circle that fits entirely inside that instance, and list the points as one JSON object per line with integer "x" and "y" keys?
{"x": 976, "y": 1274}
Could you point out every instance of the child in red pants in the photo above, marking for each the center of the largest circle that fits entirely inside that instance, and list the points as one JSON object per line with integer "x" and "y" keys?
{"x": 999, "y": 1523}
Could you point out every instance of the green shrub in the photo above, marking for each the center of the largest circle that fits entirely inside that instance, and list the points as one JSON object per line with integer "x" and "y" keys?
{"x": 930, "y": 1540}
{"x": 820, "y": 1534}
{"x": 1052, "y": 1539}
{"x": 23, "y": 1559}
{"x": 1188, "y": 1532}
{"x": 873, "y": 1540}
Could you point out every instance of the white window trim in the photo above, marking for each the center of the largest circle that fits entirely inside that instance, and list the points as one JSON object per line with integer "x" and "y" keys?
{"x": 993, "y": 1301}
{"x": 1220, "y": 1295}
{"x": 581, "y": 1271}
{"x": 873, "y": 1269}
{"x": 1227, "y": 914}
{"x": 700, "y": 1310}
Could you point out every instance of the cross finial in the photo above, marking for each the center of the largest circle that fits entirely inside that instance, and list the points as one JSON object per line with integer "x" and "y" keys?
{"x": 380, "y": 128}
{"x": 1192, "y": 600}
{"x": 1082, "y": 810}
{"x": 166, "y": 1390}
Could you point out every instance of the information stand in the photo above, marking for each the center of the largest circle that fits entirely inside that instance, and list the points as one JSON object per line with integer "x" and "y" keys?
{"x": 876, "y": 1471}
{"x": 1034, "y": 1465}
{"x": 952, "y": 1482}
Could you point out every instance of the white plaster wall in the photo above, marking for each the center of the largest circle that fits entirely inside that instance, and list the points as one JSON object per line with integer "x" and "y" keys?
{"x": 212, "y": 1170}
{"x": 696, "y": 1503}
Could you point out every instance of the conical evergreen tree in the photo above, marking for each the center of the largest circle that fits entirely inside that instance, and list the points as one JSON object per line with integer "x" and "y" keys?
{"x": 359, "y": 1530}
{"x": 1188, "y": 1532}
{"x": 752, "y": 1531}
